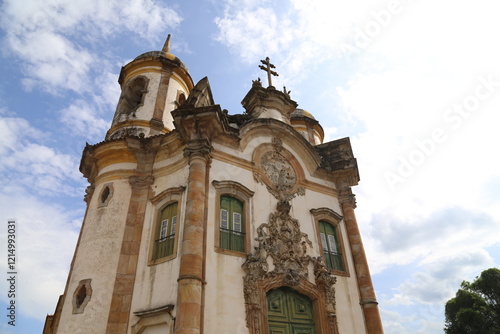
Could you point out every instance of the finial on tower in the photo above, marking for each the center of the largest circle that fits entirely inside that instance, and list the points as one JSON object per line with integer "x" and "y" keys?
{"x": 166, "y": 46}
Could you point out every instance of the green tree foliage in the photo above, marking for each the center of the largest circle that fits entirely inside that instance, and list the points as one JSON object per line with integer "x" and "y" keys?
{"x": 476, "y": 307}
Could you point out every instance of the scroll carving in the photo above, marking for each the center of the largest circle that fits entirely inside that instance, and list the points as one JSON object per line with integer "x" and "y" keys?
{"x": 278, "y": 174}
{"x": 281, "y": 256}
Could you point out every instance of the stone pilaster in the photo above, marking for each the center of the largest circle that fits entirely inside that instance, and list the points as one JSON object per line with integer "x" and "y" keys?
{"x": 191, "y": 273}
{"x": 161, "y": 98}
{"x": 367, "y": 294}
{"x": 121, "y": 300}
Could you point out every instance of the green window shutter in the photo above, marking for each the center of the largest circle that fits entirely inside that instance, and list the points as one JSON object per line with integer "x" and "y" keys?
{"x": 331, "y": 250}
{"x": 164, "y": 244}
{"x": 232, "y": 236}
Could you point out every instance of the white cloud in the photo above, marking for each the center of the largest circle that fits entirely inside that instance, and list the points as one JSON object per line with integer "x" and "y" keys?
{"x": 60, "y": 42}
{"x": 82, "y": 119}
{"x": 249, "y": 30}
{"x": 45, "y": 240}
{"x": 27, "y": 164}
{"x": 417, "y": 304}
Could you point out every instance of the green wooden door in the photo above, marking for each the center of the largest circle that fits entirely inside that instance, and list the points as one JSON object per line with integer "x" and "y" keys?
{"x": 289, "y": 312}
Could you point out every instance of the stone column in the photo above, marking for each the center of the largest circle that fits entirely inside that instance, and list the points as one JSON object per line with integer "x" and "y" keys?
{"x": 191, "y": 280}
{"x": 368, "y": 300}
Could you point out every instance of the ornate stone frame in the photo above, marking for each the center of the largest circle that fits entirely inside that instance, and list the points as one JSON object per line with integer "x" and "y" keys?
{"x": 111, "y": 190}
{"x": 330, "y": 216}
{"x": 159, "y": 202}
{"x": 84, "y": 283}
{"x": 281, "y": 190}
{"x": 257, "y": 318}
{"x": 241, "y": 193}
{"x": 281, "y": 259}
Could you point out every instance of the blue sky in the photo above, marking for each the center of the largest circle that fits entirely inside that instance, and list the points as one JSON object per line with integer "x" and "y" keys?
{"x": 414, "y": 84}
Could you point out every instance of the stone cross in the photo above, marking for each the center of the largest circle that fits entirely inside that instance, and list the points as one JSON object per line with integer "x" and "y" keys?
{"x": 268, "y": 68}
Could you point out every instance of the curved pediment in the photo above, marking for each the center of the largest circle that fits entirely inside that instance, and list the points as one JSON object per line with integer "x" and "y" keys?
{"x": 288, "y": 136}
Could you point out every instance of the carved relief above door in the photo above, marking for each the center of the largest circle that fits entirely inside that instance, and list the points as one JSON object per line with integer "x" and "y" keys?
{"x": 279, "y": 170}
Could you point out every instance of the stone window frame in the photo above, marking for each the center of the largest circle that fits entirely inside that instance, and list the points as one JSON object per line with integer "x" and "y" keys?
{"x": 83, "y": 284}
{"x": 161, "y": 201}
{"x": 331, "y": 217}
{"x": 244, "y": 195}
{"x": 154, "y": 317}
{"x": 104, "y": 203}
{"x": 180, "y": 98}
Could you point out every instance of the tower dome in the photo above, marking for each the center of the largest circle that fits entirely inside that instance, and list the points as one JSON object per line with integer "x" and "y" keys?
{"x": 305, "y": 123}
{"x": 153, "y": 84}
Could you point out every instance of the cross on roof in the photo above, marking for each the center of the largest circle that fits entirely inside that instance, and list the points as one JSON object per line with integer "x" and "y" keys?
{"x": 268, "y": 68}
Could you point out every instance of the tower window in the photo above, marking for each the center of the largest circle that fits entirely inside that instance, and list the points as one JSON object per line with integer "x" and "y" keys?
{"x": 232, "y": 235}
{"x": 132, "y": 97}
{"x": 330, "y": 245}
{"x": 165, "y": 240}
{"x": 106, "y": 194}
{"x": 81, "y": 296}
{"x": 181, "y": 99}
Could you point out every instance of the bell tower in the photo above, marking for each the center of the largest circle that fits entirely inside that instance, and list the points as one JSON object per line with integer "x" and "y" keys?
{"x": 153, "y": 84}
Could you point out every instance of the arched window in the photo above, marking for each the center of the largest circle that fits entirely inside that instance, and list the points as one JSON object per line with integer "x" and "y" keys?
{"x": 331, "y": 247}
{"x": 329, "y": 229}
{"x": 232, "y": 214}
{"x": 132, "y": 97}
{"x": 165, "y": 238}
{"x": 231, "y": 225}
{"x": 166, "y": 225}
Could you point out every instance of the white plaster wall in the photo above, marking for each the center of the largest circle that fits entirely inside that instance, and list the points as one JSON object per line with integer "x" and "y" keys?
{"x": 156, "y": 285}
{"x": 273, "y": 113}
{"x": 97, "y": 259}
{"x": 224, "y": 301}
{"x": 175, "y": 84}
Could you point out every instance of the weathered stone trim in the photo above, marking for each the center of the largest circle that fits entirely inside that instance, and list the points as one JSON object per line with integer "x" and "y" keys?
{"x": 282, "y": 243}
{"x": 121, "y": 300}
{"x": 191, "y": 280}
{"x": 371, "y": 313}
{"x": 153, "y": 317}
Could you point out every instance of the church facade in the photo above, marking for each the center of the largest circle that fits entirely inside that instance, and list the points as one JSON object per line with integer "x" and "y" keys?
{"x": 198, "y": 221}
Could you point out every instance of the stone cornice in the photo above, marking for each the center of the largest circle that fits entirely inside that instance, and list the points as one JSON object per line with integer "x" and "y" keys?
{"x": 338, "y": 158}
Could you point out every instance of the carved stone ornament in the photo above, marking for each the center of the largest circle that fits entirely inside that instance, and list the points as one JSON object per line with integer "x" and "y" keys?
{"x": 281, "y": 259}
{"x": 278, "y": 174}
{"x": 141, "y": 181}
{"x": 89, "y": 191}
